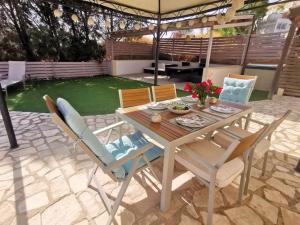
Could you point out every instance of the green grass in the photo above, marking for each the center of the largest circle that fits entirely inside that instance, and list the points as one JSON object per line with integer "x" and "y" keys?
{"x": 90, "y": 96}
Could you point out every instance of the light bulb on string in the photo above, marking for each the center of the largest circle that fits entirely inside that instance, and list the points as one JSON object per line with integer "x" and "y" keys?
{"x": 151, "y": 26}
{"x": 75, "y": 19}
{"x": 58, "y": 12}
{"x": 91, "y": 21}
{"x": 122, "y": 24}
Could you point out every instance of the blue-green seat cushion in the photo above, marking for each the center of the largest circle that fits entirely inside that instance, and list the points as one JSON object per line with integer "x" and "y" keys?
{"x": 126, "y": 144}
{"x": 79, "y": 127}
{"x": 236, "y": 90}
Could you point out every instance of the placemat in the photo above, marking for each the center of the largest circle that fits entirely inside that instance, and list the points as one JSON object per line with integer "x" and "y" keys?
{"x": 219, "y": 114}
{"x": 208, "y": 122}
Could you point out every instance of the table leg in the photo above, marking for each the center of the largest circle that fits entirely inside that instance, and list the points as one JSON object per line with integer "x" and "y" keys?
{"x": 168, "y": 169}
{"x": 248, "y": 121}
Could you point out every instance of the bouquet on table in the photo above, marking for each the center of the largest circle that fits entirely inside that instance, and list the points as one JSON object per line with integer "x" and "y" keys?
{"x": 203, "y": 90}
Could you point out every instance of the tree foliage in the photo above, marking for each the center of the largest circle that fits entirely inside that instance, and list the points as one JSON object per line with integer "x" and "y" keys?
{"x": 30, "y": 31}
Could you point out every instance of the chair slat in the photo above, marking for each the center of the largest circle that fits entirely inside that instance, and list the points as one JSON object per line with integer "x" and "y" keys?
{"x": 134, "y": 97}
{"x": 164, "y": 92}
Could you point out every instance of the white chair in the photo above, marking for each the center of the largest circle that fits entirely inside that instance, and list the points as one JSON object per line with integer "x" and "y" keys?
{"x": 16, "y": 74}
{"x": 216, "y": 166}
{"x": 261, "y": 149}
{"x": 120, "y": 159}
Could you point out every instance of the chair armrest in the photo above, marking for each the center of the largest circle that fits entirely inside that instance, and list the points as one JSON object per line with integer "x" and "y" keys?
{"x": 132, "y": 155}
{"x": 198, "y": 159}
{"x": 229, "y": 133}
{"x": 108, "y": 127}
{"x": 254, "y": 121}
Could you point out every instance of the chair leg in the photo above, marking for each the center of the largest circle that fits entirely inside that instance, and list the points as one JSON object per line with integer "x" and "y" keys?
{"x": 211, "y": 199}
{"x": 242, "y": 181}
{"x": 122, "y": 191}
{"x": 248, "y": 166}
{"x": 265, "y": 163}
{"x": 92, "y": 175}
{"x": 151, "y": 168}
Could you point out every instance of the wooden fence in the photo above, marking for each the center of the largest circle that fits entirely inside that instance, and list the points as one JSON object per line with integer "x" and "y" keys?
{"x": 39, "y": 70}
{"x": 128, "y": 50}
{"x": 290, "y": 75}
{"x": 263, "y": 49}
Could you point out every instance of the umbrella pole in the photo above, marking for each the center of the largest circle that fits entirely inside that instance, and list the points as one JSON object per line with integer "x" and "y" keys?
{"x": 157, "y": 45}
{"x": 7, "y": 121}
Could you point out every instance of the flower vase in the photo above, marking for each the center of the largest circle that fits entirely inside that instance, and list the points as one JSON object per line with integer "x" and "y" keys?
{"x": 201, "y": 102}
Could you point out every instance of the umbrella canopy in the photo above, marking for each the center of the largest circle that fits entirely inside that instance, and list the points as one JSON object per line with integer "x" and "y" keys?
{"x": 167, "y": 9}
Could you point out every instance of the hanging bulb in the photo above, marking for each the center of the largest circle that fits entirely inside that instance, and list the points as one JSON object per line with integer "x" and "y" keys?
{"x": 58, "y": 12}
{"x": 237, "y": 4}
{"x": 137, "y": 26}
{"x": 91, "y": 21}
{"x": 122, "y": 24}
{"x": 191, "y": 23}
{"x": 75, "y": 19}
{"x": 164, "y": 26}
{"x": 229, "y": 14}
{"x": 204, "y": 19}
{"x": 151, "y": 27}
{"x": 107, "y": 23}
{"x": 178, "y": 24}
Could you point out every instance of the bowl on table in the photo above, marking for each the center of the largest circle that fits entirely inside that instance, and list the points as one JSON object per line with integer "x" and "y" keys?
{"x": 179, "y": 108}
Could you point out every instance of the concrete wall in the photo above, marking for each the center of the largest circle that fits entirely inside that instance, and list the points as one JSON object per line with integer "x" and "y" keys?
{"x": 217, "y": 72}
{"x": 122, "y": 67}
{"x": 264, "y": 77}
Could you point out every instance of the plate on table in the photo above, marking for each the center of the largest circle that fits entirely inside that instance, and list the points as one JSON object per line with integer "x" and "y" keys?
{"x": 223, "y": 109}
{"x": 157, "y": 106}
{"x": 179, "y": 108}
{"x": 194, "y": 121}
{"x": 189, "y": 99}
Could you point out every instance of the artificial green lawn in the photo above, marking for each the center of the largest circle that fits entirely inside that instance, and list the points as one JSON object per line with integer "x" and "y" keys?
{"x": 90, "y": 96}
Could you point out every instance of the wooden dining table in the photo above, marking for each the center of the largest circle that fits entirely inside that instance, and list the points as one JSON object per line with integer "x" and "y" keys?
{"x": 171, "y": 135}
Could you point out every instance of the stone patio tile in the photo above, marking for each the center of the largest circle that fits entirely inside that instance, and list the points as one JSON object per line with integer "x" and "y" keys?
{"x": 275, "y": 196}
{"x": 290, "y": 217}
{"x": 7, "y": 212}
{"x": 280, "y": 186}
{"x": 78, "y": 182}
{"x": 243, "y": 216}
{"x": 59, "y": 188}
{"x": 264, "y": 208}
{"x": 63, "y": 212}
{"x": 200, "y": 198}
{"x": 123, "y": 216}
{"x": 217, "y": 219}
{"x": 188, "y": 220}
{"x": 34, "y": 202}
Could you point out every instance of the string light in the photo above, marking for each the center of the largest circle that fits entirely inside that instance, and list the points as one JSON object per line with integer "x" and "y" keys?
{"x": 191, "y": 23}
{"x": 164, "y": 26}
{"x": 91, "y": 21}
{"x": 137, "y": 26}
{"x": 58, "y": 12}
{"x": 107, "y": 23}
{"x": 122, "y": 24}
{"x": 178, "y": 24}
{"x": 74, "y": 17}
{"x": 151, "y": 26}
{"x": 204, "y": 19}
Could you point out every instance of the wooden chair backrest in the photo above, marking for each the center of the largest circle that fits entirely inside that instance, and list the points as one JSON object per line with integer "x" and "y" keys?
{"x": 247, "y": 143}
{"x": 273, "y": 126}
{"x": 242, "y": 77}
{"x": 134, "y": 97}
{"x": 164, "y": 92}
{"x": 57, "y": 119}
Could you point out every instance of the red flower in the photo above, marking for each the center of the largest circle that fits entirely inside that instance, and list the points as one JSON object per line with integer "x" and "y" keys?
{"x": 187, "y": 87}
{"x": 209, "y": 81}
{"x": 194, "y": 95}
{"x": 218, "y": 90}
{"x": 207, "y": 89}
{"x": 198, "y": 84}
{"x": 204, "y": 84}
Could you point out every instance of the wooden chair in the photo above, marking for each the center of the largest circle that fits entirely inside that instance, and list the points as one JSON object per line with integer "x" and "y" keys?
{"x": 164, "y": 92}
{"x": 136, "y": 159}
{"x": 216, "y": 166}
{"x": 261, "y": 149}
{"x": 134, "y": 97}
{"x": 243, "y": 77}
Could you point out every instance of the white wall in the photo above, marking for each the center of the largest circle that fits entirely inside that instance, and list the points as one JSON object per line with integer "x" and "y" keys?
{"x": 264, "y": 77}
{"x": 217, "y": 72}
{"x": 122, "y": 67}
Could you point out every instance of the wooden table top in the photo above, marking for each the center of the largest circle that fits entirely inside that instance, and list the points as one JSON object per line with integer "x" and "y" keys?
{"x": 165, "y": 128}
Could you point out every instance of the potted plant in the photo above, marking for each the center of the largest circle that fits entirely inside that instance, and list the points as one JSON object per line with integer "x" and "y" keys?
{"x": 203, "y": 90}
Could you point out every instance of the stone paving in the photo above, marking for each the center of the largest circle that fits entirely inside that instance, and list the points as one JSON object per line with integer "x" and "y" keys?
{"x": 44, "y": 180}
